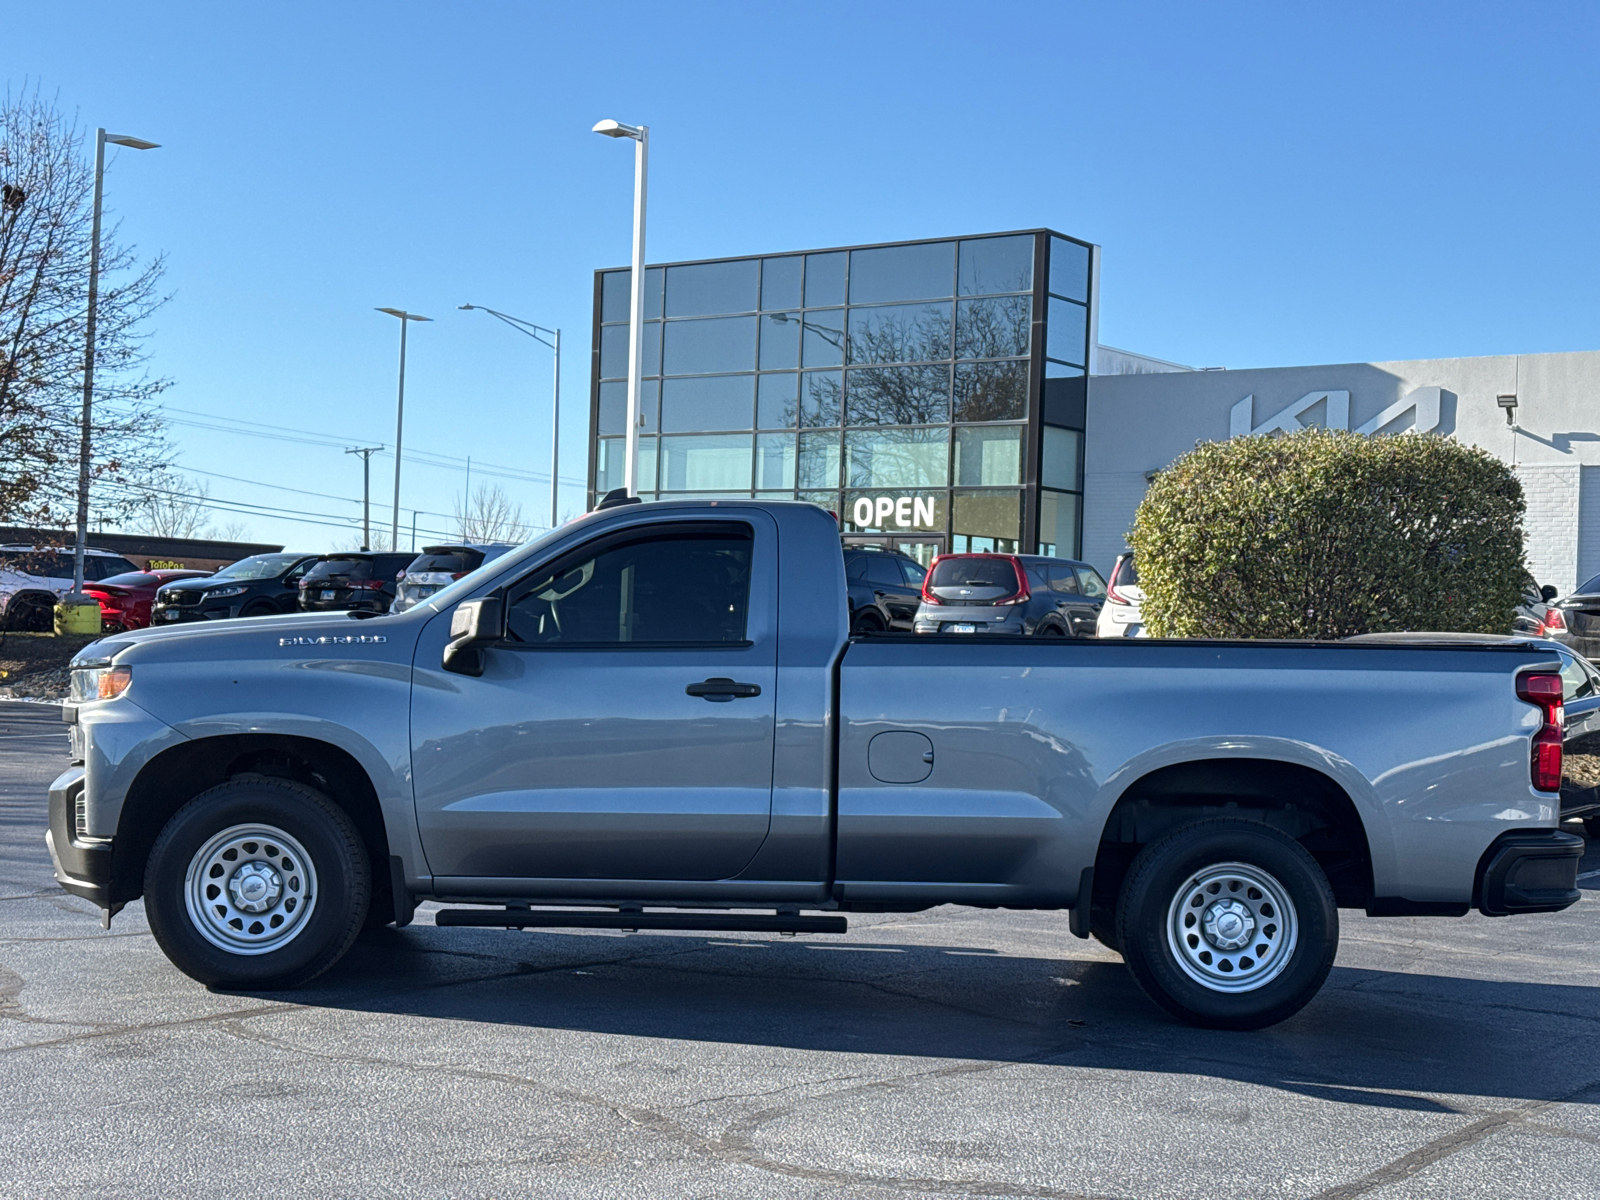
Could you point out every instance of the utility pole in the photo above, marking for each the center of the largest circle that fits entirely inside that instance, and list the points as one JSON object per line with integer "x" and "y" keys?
{"x": 366, "y": 453}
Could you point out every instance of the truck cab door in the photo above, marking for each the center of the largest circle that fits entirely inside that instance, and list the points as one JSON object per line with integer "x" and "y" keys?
{"x": 623, "y": 728}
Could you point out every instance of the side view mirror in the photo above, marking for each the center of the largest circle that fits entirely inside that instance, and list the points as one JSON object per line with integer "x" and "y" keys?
{"x": 473, "y": 626}
{"x": 1548, "y": 592}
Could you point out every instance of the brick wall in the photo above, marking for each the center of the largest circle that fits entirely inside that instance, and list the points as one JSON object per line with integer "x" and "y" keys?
{"x": 1552, "y": 523}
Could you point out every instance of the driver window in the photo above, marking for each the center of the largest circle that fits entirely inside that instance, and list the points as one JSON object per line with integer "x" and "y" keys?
{"x": 292, "y": 579}
{"x": 663, "y": 589}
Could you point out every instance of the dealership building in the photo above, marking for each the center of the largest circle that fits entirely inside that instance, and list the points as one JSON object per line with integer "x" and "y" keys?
{"x": 952, "y": 395}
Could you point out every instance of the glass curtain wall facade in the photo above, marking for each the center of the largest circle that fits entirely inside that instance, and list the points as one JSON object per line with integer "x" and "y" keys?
{"x": 927, "y": 392}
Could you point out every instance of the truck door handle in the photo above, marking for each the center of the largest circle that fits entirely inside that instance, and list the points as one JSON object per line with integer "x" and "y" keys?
{"x": 722, "y": 690}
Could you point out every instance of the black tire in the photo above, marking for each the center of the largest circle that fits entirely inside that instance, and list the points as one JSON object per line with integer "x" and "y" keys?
{"x": 1103, "y": 924}
{"x": 866, "y": 621}
{"x": 1050, "y": 631}
{"x": 260, "y": 608}
{"x": 1296, "y": 946}
{"x": 1591, "y": 826}
{"x": 333, "y": 893}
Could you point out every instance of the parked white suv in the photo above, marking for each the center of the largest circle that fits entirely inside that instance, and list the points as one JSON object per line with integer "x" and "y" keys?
{"x": 1121, "y": 614}
{"x": 33, "y": 578}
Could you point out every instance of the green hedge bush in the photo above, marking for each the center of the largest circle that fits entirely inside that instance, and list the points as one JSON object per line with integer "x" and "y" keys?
{"x": 1324, "y": 534}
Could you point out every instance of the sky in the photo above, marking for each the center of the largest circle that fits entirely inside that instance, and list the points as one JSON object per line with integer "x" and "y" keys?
{"x": 1271, "y": 185}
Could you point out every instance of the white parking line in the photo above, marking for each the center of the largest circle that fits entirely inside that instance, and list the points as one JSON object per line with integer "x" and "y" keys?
{"x": 1588, "y": 875}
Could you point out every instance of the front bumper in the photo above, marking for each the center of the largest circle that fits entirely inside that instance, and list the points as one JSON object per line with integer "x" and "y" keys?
{"x": 1529, "y": 871}
{"x": 82, "y": 864}
{"x": 219, "y": 612}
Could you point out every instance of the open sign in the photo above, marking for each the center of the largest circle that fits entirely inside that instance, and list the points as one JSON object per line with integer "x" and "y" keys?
{"x": 901, "y": 512}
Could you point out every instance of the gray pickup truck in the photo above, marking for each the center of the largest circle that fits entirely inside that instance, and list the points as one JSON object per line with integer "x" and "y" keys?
{"x": 655, "y": 718}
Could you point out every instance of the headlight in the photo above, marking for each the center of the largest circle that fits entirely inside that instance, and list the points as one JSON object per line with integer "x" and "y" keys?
{"x": 218, "y": 593}
{"x": 99, "y": 683}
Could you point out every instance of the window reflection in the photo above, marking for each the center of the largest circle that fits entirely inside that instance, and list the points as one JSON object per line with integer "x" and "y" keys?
{"x": 777, "y": 401}
{"x": 823, "y": 340}
{"x": 1069, "y": 270}
{"x": 990, "y": 265}
{"x": 900, "y": 333}
{"x": 885, "y": 273}
{"x": 825, "y": 279}
{"x": 616, "y": 294}
{"x": 892, "y": 458}
{"x": 614, "y": 406}
{"x": 780, "y": 282}
{"x": 709, "y": 402}
{"x": 775, "y": 460}
{"x": 994, "y": 328}
{"x": 614, "y": 352}
{"x": 995, "y": 391}
{"x": 1059, "y": 455}
{"x": 821, "y": 393}
{"x": 706, "y": 289}
{"x": 1058, "y": 523}
{"x": 1067, "y": 335}
{"x": 609, "y": 464}
{"x": 707, "y": 346}
{"x": 780, "y": 341}
{"x": 989, "y": 457}
{"x": 818, "y": 465}
{"x": 918, "y": 395}
{"x": 986, "y": 521}
{"x": 706, "y": 463}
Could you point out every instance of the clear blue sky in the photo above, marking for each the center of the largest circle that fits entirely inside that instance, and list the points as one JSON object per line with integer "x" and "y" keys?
{"x": 1272, "y": 184}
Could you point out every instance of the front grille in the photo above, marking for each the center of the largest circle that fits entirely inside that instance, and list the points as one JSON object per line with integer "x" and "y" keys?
{"x": 182, "y": 599}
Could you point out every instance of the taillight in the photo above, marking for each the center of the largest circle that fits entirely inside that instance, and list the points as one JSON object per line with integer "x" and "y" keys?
{"x": 457, "y": 574}
{"x": 1024, "y": 593}
{"x": 1114, "y": 596}
{"x": 1554, "y": 622}
{"x": 927, "y": 596}
{"x": 372, "y": 585}
{"x": 1544, "y": 692}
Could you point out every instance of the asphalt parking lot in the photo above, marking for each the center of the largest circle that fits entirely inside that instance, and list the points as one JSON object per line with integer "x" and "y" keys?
{"x": 949, "y": 1053}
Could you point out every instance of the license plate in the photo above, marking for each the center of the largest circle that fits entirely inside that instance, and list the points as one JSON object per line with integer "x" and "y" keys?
{"x": 327, "y": 595}
{"x": 963, "y": 628}
{"x": 169, "y": 616}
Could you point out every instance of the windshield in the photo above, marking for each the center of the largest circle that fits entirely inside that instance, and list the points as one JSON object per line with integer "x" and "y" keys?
{"x": 974, "y": 572}
{"x": 131, "y": 579}
{"x": 344, "y": 568}
{"x": 259, "y": 566}
{"x": 1590, "y": 586}
{"x": 453, "y": 562}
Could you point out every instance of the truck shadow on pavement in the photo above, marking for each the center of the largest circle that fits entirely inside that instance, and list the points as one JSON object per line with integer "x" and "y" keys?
{"x": 1374, "y": 1038}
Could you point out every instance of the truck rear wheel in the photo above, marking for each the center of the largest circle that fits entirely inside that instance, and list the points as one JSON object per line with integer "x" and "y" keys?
{"x": 257, "y": 884}
{"x": 1228, "y": 924}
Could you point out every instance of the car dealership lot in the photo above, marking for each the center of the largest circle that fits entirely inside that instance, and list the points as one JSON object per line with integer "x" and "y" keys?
{"x": 953, "y": 1052}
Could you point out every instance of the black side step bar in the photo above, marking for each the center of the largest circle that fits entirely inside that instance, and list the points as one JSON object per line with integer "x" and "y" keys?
{"x": 524, "y": 918}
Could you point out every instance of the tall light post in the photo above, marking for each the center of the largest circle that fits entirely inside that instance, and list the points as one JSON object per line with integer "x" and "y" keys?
{"x": 545, "y": 337}
{"x": 399, "y": 417}
{"x": 641, "y": 159}
{"x": 101, "y": 137}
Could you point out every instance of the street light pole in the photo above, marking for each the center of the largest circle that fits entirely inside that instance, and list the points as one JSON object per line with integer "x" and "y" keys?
{"x": 405, "y": 319}
{"x": 366, "y": 453}
{"x": 641, "y": 160}
{"x": 552, "y": 339}
{"x": 101, "y": 137}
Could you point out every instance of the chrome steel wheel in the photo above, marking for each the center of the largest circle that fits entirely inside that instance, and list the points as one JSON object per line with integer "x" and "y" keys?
{"x": 250, "y": 889}
{"x": 1232, "y": 927}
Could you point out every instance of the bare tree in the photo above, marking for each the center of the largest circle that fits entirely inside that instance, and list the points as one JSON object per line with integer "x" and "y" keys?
{"x": 178, "y": 507}
{"x": 490, "y": 516}
{"x": 46, "y": 214}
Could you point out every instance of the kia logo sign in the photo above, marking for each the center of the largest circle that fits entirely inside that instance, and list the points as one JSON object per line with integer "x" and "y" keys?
{"x": 904, "y": 512}
{"x": 1423, "y": 403}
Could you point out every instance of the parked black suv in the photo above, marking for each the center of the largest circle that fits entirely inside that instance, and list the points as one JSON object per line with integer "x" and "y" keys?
{"x": 359, "y": 581}
{"x": 262, "y": 585}
{"x": 884, "y": 587}
{"x": 1026, "y": 594}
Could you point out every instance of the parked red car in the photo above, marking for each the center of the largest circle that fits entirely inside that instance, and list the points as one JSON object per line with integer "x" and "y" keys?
{"x": 125, "y": 599}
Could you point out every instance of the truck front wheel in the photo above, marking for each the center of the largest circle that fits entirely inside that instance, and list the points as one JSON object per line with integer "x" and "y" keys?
{"x": 257, "y": 884}
{"x": 1228, "y": 923}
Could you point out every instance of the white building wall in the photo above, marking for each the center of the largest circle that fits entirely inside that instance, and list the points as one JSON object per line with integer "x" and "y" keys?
{"x": 1138, "y": 424}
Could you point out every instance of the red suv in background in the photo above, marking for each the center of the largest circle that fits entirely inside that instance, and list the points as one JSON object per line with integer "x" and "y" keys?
{"x": 125, "y": 599}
